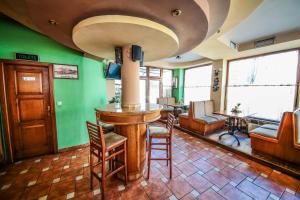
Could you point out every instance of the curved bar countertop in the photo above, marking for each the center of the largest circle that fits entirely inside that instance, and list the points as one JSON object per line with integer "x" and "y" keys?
{"x": 115, "y": 114}
{"x": 131, "y": 123}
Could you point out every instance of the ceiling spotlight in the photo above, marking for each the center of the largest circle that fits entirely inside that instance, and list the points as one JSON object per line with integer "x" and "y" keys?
{"x": 176, "y": 12}
{"x": 52, "y": 22}
{"x": 178, "y": 57}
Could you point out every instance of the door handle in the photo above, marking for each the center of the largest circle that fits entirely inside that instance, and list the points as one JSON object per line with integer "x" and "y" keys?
{"x": 49, "y": 110}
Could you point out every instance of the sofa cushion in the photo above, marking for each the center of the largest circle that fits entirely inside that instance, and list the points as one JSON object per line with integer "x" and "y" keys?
{"x": 171, "y": 100}
{"x": 162, "y": 100}
{"x": 209, "y": 107}
{"x": 207, "y": 119}
{"x": 270, "y": 126}
{"x": 198, "y": 108}
{"x": 217, "y": 117}
{"x": 184, "y": 115}
{"x": 297, "y": 125}
{"x": 265, "y": 132}
{"x": 167, "y": 108}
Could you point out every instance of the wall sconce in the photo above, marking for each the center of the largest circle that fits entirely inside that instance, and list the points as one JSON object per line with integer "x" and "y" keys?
{"x": 216, "y": 80}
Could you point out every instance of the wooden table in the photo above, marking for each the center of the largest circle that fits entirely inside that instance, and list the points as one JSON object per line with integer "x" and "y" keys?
{"x": 131, "y": 123}
{"x": 234, "y": 122}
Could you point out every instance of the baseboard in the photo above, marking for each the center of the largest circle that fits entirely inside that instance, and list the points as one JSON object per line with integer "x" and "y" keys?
{"x": 73, "y": 147}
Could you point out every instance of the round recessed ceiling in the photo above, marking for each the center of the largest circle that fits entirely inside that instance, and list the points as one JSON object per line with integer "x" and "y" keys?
{"x": 99, "y": 36}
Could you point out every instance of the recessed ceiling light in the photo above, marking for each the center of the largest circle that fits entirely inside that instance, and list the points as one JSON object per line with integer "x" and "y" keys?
{"x": 52, "y": 22}
{"x": 176, "y": 12}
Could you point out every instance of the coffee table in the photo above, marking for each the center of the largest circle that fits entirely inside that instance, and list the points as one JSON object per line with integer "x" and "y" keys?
{"x": 234, "y": 122}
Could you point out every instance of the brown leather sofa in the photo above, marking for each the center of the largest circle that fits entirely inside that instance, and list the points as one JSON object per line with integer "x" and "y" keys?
{"x": 201, "y": 119}
{"x": 279, "y": 141}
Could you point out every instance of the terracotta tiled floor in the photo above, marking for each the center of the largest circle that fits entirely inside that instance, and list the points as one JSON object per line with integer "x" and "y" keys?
{"x": 200, "y": 170}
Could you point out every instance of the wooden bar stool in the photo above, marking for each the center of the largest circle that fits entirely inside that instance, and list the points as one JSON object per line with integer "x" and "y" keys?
{"x": 106, "y": 147}
{"x": 161, "y": 133}
{"x": 105, "y": 127}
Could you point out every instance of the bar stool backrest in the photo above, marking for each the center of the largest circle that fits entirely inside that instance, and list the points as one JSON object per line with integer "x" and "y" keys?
{"x": 170, "y": 123}
{"x": 96, "y": 136}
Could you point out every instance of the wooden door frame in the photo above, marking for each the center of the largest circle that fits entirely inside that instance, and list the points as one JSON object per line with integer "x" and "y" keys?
{"x": 3, "y": 102}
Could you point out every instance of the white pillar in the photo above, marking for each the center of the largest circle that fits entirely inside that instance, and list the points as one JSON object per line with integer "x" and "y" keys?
{"x": 130, "y": 79}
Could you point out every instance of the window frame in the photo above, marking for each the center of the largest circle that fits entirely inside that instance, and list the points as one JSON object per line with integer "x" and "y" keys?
{"x": 297, "y": 88}
{"x": 148, "y": 78}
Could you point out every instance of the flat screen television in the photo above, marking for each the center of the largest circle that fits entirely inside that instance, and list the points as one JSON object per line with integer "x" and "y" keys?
{"x": 113, "y": 71}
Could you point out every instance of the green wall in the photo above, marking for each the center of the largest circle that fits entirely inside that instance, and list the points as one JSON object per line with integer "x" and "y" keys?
{"x": 178, "y": 92}
{"x": 79, "y": 97}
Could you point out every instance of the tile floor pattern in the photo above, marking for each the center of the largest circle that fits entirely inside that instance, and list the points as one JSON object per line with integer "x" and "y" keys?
{"x": 200, "y": 170}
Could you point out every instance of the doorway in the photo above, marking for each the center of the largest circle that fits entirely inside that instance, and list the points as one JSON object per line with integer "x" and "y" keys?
{"x": 28, "y": 108}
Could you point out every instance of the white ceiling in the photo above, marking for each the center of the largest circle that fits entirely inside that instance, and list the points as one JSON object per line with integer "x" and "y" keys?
{"x": 186, "y": 57}
{"x": 271, "y": 17}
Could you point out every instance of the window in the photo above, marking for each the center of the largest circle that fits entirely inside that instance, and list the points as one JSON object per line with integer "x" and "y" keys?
{"x": 142, "y": 91}
{"x": 153, "y": 90}
{"x": 150, "y": 84}
{"x": 143, "y": 71}
{"x": 197, "y": 84}
{"x": 264, "y": 85}
{"x": 155, "y": 82}
{"x": 167, "y": 83}
{"x": 118, "y": 88}
{"x": 154, "y": 72}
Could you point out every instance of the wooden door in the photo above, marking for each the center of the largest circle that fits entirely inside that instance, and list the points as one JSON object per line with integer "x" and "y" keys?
{"x": 29, "y": 109}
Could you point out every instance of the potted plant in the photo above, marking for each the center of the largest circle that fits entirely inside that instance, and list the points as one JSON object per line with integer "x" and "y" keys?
{"x": 115, "y": 99}
{"x": 236, "y": 109}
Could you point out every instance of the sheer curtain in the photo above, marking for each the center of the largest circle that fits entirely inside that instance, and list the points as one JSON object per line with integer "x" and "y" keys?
{"x": 265, "y": 85}
{"x": 197, "y": 84}
{"x": 167, "y": 83}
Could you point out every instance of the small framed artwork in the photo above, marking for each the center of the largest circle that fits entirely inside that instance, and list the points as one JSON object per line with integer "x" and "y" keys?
{"x": 62, "y": 71}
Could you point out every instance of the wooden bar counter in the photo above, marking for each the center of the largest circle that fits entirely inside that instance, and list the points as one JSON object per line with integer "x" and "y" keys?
{"x": 131, "y": 123}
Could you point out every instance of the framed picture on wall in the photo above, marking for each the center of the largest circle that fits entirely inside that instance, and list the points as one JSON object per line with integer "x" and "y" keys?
{"x": 62, "y": 71}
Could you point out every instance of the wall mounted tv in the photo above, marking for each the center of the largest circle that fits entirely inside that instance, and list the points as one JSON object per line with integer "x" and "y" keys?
{"x": 113, "y": 71}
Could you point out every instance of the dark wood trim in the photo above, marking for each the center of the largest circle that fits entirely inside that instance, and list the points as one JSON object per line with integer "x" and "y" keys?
{"x": 6, "y": 126}
{"x": 196, "y": 66}
{"x": 52, "y": 105}
{"x": 73, "y": 147}
{"x": 296, "y": 103}
{"x": 264, "y": 54}
{"x": 226, "y": 84}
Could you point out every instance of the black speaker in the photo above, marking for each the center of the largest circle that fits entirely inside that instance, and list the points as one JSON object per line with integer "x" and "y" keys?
{"x": 136, "y": 52}
{"x": 118, "y": 55}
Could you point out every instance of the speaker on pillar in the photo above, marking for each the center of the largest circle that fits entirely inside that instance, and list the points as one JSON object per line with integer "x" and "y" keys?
{"x": 136, "y": 52}
{"x": 142, "y": 60}
{"x": 118, "y": 55}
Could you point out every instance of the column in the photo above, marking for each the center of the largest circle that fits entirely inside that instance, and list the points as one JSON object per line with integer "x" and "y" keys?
{"x": 130, "y": 79}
